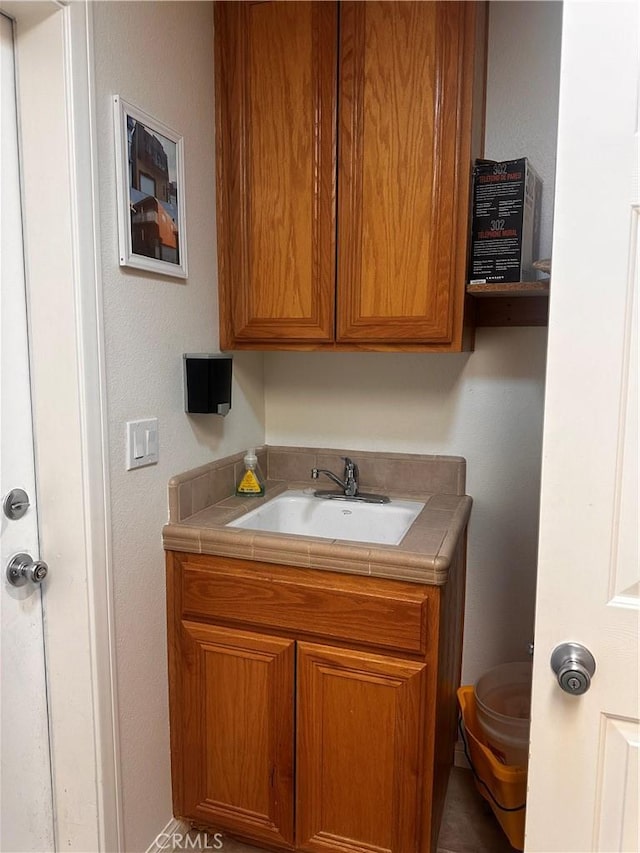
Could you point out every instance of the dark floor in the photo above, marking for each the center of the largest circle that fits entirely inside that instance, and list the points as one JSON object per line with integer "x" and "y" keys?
{"x": 468, "y": 824}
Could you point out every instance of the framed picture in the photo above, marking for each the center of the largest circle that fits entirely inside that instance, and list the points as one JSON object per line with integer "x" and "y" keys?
{"x": 150, "y": 189}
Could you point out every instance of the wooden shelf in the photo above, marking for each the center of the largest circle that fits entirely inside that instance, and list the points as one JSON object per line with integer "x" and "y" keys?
{"x": 518, "y": 303}
{"x": 510, "y": 288}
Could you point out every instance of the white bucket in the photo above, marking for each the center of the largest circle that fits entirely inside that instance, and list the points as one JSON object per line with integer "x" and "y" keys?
{"x": 503, "y": 704}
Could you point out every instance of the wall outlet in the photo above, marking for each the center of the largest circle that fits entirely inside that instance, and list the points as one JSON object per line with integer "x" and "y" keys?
{"x": 142, "y": 443}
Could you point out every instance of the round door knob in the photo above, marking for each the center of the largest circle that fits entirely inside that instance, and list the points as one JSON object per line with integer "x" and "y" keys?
{"x": 22, "y": 569}
{"x": 574, "y": 666}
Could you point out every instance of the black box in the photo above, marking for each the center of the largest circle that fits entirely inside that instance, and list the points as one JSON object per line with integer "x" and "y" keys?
{"x": 506, "y": 221}
{"x": 207, "y": 383}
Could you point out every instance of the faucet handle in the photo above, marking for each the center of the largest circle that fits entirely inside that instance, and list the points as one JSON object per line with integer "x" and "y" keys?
{"x": 351, "y": 474}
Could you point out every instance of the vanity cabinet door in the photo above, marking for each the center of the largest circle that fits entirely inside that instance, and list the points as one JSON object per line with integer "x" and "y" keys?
{"x": 276, "y": 65}
{"x": 234, "y": 698}
{"x": 359, "y": 719}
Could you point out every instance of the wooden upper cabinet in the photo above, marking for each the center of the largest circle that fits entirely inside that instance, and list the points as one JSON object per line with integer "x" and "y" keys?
{"x": 276, "y": 114}
{"x": 344, "y": 172}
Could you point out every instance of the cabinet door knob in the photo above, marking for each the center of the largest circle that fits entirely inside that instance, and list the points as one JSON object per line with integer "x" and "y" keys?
{"x": 574, "y": 665}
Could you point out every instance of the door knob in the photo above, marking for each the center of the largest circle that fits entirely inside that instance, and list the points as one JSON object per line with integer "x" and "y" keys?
{"x": 22, "y": 568}
{"x": 574, "y": 665}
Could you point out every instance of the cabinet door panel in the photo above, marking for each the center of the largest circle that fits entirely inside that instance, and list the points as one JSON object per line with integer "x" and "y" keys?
{"x": 236, "y": 696}
{"x": 403, "y": 171}
{"x": 359, "y": 721}
{"x": 276, "y": 65}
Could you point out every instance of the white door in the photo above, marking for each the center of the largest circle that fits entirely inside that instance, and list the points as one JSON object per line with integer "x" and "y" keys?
{"x": 583, "y": 772}
{"x": 26, "y": 821}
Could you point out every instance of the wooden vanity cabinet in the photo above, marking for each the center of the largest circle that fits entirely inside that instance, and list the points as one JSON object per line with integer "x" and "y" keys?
{"x": 345, "y": 137}
{"x": 311, "y": 710}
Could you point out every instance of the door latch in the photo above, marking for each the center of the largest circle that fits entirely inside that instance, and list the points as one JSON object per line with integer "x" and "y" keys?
{"x": 15, "y": 504}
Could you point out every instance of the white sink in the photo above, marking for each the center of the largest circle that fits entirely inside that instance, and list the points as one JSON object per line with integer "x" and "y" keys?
{"x": 301, "y": 513}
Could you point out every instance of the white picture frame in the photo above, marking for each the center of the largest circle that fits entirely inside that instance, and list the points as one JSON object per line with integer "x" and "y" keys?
{"x": 150, "y": 192}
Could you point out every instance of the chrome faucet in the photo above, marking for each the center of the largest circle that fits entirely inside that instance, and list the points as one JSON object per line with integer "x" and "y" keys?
{"x": 350, "y": 483}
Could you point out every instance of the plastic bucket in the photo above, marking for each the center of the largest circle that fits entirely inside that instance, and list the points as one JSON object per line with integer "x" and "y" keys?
{"x": 503, "y": 701}
{"x": 503, "y": 787}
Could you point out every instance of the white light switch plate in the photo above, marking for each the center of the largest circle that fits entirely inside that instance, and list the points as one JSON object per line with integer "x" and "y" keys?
{"x": 142, "y": 443}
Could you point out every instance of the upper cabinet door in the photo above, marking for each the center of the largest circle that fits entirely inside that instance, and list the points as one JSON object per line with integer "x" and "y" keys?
{"x": 406, "y": 77}
{"x": 276, "y": 65}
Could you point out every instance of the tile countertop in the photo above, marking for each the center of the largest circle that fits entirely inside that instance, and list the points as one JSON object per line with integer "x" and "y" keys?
{"x": 424, "y": 555}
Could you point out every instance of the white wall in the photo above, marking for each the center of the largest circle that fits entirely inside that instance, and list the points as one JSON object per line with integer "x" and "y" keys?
{"x": 522, "y": 92}
{"x": 486, "y": 406}
{"x": 158, "y": 56}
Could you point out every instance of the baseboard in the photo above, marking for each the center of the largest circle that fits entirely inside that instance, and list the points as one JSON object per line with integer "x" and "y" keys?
{"x": 164, "y": 840}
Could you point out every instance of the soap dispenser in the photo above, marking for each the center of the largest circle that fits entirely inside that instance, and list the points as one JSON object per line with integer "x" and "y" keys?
{"x": 251, "y": 482}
